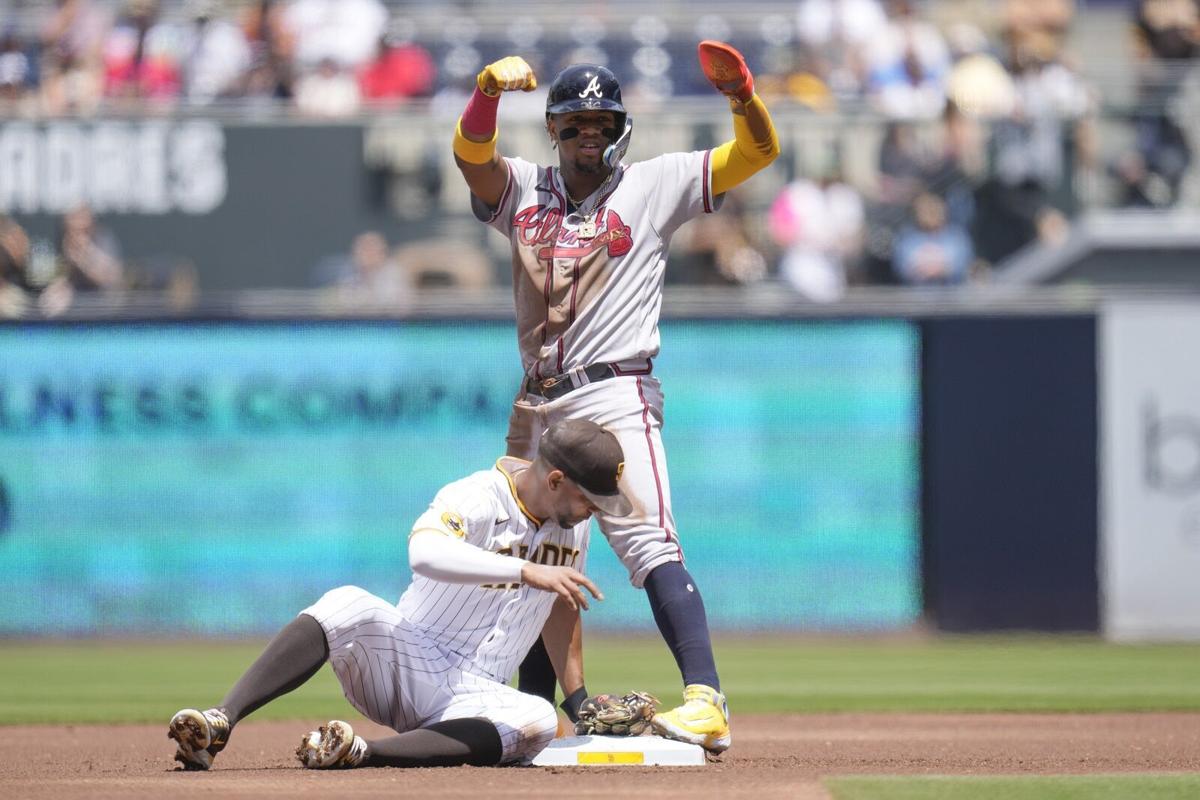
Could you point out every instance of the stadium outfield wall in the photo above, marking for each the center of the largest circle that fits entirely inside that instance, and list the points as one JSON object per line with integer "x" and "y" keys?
{"x": 973, "y": 470}
{"x": 260, "y": 464}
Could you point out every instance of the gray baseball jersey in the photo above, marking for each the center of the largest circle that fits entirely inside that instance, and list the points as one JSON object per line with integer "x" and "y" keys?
{"x": 588, "y": 282}
{"x": 588, "y": 285}
{"x": 447, "y": 651}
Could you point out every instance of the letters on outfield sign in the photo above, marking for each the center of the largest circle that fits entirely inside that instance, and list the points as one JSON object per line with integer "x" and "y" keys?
{"x": 113, "y": 166}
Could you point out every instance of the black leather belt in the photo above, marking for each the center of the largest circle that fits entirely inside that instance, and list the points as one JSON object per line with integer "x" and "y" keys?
{"x": 557, "y": 385}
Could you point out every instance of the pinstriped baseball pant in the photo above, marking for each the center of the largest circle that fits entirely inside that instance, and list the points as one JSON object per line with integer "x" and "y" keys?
{"x": 393, "y": 675}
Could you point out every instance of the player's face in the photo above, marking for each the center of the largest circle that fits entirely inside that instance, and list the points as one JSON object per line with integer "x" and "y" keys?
{"x": 585, "y": 151}
{"x": 570, "y": 506}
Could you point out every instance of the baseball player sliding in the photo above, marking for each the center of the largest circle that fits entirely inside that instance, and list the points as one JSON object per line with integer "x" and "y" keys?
{"x": 589, "y": 246}
{"x": 497, "y": 561}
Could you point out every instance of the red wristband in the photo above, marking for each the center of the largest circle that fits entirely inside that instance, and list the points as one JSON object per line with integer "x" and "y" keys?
{"x": 479, "y": 118}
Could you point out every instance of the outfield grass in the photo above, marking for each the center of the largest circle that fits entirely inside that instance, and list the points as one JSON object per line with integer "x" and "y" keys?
{"x": 138, "y": 682}
{"x": 1056, "y": 787}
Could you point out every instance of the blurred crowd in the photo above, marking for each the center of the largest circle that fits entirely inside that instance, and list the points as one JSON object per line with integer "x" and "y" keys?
{"x": 902, "y": 58}
{"x": 985, "y": 124}
{"x": 41, "y": 277}
{"x": 327, "y": 57}
{"x": 988, "y": 130}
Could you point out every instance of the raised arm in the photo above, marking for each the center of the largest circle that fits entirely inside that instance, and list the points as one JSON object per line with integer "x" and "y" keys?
{"x": 475, "y": 135}
{"x": 755, "y": 143}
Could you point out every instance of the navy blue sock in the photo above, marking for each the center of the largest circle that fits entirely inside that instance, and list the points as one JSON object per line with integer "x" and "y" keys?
{"x": 679, "y": 611}
{"x": 295, "y": 654}
{"x": 536, "y": 673}
{"x": 450, "y": 743}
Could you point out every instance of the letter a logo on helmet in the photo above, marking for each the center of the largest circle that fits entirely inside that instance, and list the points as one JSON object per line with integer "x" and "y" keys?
{"x": 593, "y": 88}
{"x": 586, "y": 87}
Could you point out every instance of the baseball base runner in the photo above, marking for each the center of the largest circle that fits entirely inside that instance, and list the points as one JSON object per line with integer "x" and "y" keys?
{"x": 589, "y": 240}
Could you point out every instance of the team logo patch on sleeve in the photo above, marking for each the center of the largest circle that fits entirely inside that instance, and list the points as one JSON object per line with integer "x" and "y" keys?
{"x": 454, "y": 524}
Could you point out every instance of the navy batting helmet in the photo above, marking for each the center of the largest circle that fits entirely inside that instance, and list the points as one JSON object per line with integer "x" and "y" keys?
{"x": 586, "y": 87}
{"x": 590, "y": 87}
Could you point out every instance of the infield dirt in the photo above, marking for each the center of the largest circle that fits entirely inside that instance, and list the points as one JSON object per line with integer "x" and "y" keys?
{"x": 774, "y": 756}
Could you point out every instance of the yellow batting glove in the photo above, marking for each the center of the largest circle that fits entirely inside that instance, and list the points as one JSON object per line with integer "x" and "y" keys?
{"x": 507, "y": 75}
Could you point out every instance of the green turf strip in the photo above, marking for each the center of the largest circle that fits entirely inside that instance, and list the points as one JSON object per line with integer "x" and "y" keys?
{"x": 1025, "y": 787}
{"x": 113, "y": 682}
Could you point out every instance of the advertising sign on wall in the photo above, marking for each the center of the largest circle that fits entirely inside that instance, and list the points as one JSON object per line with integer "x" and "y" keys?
{"x": 113, "y": 166}
{"x": 217, "y": 478}
{"x": 1150, "y": 408}
{"x": 247, "y": 206}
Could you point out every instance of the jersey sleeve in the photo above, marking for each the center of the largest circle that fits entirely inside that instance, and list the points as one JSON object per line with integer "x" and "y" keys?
{"x": 457, "y": 514}
{"x": 521, "y": 176}
{"x": 680, "y": 188}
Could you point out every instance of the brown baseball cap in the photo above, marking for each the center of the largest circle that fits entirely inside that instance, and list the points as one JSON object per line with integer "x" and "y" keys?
{"x": 592, "y": 458}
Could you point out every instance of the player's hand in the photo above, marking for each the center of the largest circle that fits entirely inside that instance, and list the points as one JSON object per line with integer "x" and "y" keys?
{"x": 566, "y": 582}
{"x": 507, "y": 75}
{"x": 726, "y": 70}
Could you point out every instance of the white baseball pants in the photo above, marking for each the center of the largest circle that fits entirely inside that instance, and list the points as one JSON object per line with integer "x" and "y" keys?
{"x": 397, "y": 677}
{"x": 631, "y": 407}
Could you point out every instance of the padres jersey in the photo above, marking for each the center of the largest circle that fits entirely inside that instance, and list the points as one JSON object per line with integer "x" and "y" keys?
{"x": 488, "y": 630}
{"x": 588, "y": 281}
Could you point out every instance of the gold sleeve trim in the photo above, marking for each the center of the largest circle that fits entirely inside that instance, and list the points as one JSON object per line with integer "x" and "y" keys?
{"x": 755, "y": 144}
{"x": 474, "y": 152}
{"x": 415, "y": 531}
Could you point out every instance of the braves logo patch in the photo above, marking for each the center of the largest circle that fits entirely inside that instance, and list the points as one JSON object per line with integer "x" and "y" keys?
{"x": 454, "y": 524}
{"x": 592, "y": 89}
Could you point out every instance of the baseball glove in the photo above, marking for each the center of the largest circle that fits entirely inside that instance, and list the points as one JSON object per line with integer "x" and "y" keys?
{"x": 726, "y": 70}
{"x": 609, "y": 715}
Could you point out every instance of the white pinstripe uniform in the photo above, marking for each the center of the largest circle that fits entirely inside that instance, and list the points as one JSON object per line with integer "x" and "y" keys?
{"x": 447, "y": 651}
{"x": 588, "y": 286}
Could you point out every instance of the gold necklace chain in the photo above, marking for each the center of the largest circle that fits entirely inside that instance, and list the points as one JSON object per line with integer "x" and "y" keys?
{"x": 578, "y": 204}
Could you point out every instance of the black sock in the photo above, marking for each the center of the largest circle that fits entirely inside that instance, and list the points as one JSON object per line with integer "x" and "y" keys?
{"x": 679, "y": 611}
{"x": 536, "y": 674}
{"x": 291, "y": 658}
{"x": 452, "y": 743}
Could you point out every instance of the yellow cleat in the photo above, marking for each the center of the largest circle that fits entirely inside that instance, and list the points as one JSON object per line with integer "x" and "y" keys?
{"x": 703, "y": 719}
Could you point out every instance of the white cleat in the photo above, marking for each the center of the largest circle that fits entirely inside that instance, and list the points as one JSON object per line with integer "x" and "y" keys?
{"x": 200, "y": 734}
{"x": 332, "y": 746}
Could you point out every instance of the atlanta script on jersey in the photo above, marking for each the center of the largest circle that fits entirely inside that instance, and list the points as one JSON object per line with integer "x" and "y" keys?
{"x": 588, "y": 280}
